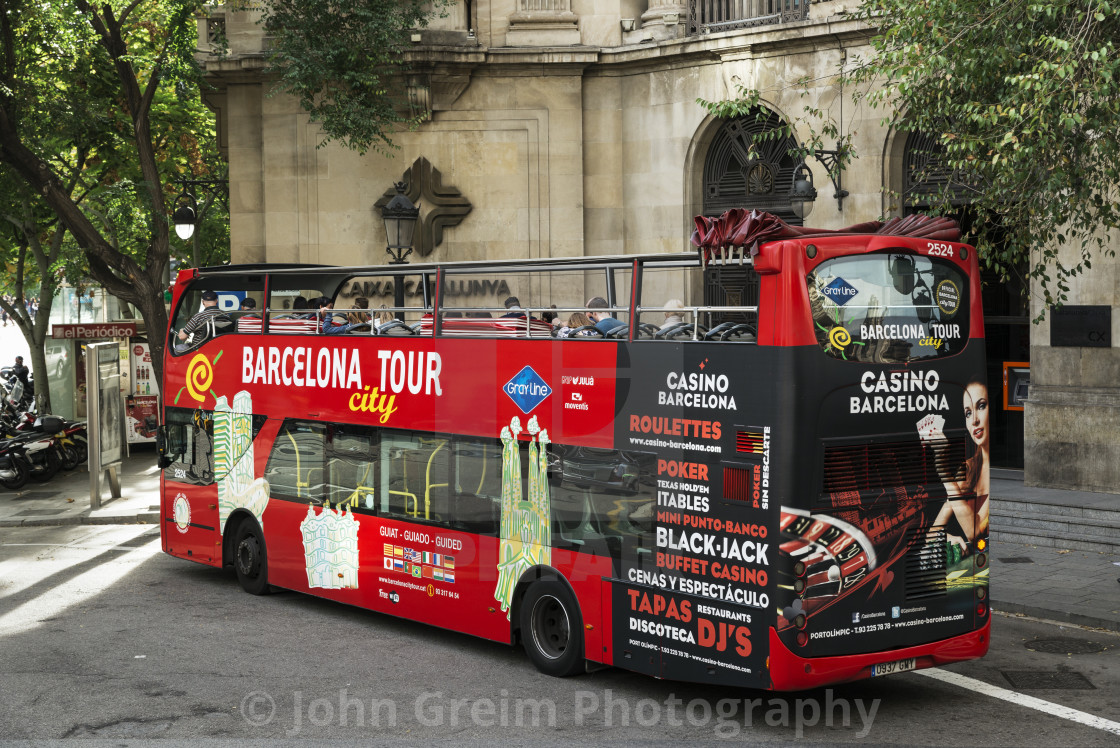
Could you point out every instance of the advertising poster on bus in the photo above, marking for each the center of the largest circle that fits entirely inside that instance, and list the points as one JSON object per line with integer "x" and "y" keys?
{"x": 893, "y": 548}
{"x": 702, "y": 605}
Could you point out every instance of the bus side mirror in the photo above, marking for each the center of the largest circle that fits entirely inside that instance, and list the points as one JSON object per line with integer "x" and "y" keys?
{"x": 902, "y": 274}
{"x": 161, "y": 448}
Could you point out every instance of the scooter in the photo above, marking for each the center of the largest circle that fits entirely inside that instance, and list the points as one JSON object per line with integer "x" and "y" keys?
{"x": 14, "y": 468}
{"x": 39, "y": 454}
{"x": 73, "y": 445}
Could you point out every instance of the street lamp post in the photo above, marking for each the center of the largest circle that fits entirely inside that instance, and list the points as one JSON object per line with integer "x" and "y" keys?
{"x": 185, "y": 217}
{"x": 400, "y": 217}
{"x": 803, "y": 193}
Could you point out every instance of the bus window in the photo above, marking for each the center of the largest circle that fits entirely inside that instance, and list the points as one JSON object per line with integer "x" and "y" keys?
{"x": 603, "y": 497}
{"x": 189, "y": 446}
{"x": 477, "y": 496}
{"x": 889, "y": 308}
{"x": 351, "y": 462}
{"x": 414, "y": 476}
{"x": 295, "y": 467}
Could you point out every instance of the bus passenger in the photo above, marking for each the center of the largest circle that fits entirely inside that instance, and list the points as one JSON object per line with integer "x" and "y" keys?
{"x": 300, "y": 306}
{"x": 603, "y": 321}
{"x": 199, "y": 324}
{"x": 575, "y": 321}
{"x": 357, "y": 318}
{"x": 384, "y": 316}
{"x": 513, "y": 304}
{"x": 248, "y": 311}
{"x": 969, "y": 486}
{"x": 673, "y": 309}
{"x": 332, "y": 324}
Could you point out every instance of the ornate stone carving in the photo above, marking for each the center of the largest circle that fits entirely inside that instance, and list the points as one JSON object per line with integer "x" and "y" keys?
{"x": 440, "y": 205}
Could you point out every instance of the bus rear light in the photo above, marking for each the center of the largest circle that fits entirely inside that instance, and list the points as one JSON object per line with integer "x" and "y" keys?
{"x": 799, "y": 586}
{"x": 981, "y": 560}
{"x": 802, "y": 638}
{"x": 981, "y": 592}
{"x": 981, "y": 544}
{"x": 981, "y": 609}
{"x": 799, "y": 622}
{"x": 799, "y": 568}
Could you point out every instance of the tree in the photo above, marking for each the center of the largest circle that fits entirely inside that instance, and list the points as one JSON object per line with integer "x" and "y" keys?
{"x": 97, "y": 105}
{"x": 1023, "y": 99}
{"x": 30, "y": 246}
{"x": 345, "y": 64}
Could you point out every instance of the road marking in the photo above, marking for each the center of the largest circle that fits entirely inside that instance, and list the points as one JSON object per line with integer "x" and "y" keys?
{"x": 1049, "y": 707}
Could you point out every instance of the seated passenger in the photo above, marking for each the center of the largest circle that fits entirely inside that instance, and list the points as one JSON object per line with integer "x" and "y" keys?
{"x": 604, "y": 322}
{"x": 331, "y": 323}
{"x": 248, "y": 312}
{"x": 514, "y": 307}
{"x": 200, "y": 326}
{"x": 359, "y": 317}
{"x": 300, "y": 306}
{"x": 384, "y": 317}
{"x": 575, "y": 321}
{"x": 674, "y": 308}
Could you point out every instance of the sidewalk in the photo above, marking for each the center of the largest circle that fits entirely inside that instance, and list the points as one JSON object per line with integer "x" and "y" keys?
{"x": 1043, "y": 580}
{"x": 64, "y": 499}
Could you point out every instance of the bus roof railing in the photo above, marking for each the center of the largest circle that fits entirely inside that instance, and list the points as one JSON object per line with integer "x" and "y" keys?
{"x": 682, "y": 259}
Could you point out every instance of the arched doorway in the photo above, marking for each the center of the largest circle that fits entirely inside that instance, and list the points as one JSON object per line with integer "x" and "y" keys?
{"x": 735, "y": 178}
{"x": 1006, "y": 308}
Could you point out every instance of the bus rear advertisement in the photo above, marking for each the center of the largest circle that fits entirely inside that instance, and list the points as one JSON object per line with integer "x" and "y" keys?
{"x": 784, "y": 489}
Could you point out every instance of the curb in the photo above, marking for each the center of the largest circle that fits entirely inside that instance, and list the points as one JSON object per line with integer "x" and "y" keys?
{"x": 124, "y": 519}
{"x": 1060, "y": 616}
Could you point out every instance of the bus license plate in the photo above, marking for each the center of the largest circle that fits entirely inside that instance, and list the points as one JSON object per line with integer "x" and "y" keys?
{"x": 898, "y": 666}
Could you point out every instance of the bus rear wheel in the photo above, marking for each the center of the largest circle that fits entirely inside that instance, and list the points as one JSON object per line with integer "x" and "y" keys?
{"x": 250, "y": 559}
{"x": 551, "y": 629}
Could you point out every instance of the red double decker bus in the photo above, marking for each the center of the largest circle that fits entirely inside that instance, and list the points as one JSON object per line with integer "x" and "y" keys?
{"x": 783, "y": 487}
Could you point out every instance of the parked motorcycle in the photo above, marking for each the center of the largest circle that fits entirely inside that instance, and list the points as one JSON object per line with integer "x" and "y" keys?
{"x": 39, "y": 453}
{"x": 14, "y": 468}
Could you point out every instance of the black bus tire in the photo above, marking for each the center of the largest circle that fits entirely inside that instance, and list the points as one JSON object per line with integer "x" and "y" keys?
{"x": 250, "y": 558}
{"x": 552, "y": 629}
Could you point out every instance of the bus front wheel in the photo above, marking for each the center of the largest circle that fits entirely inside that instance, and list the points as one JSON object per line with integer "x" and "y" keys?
{"x": 250, "y": 558}
{"x": 551, "y": 629}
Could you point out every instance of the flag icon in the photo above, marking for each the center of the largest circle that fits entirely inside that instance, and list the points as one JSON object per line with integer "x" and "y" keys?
{"x": 398, "y": 564}
{"x": 389, "y": 564}
{"x": 388, "y": 549}
{"x": 449, "y": 562}
{"x": 438, "y": 575}
{"x": 416, "y": 570}
{"x": 448, "y": 576}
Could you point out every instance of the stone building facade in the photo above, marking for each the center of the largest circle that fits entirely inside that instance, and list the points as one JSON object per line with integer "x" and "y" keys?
{"x": 560, "y": 128}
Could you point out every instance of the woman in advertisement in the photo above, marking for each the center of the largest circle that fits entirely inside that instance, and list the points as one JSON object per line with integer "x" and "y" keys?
{"x": 969, "y": 486}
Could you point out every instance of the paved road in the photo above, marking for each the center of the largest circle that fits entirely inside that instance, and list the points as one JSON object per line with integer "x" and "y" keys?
{"x": 104, "y": 637}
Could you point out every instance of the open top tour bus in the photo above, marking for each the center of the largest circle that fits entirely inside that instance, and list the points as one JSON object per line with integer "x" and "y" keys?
{"x": 782, "y": 487}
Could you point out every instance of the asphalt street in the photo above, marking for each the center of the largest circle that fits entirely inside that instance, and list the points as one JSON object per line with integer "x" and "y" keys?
{"x": 103, "y": 637}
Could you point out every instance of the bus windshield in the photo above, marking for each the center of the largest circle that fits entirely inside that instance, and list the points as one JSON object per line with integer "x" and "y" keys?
{"x": 889, "y": 308}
